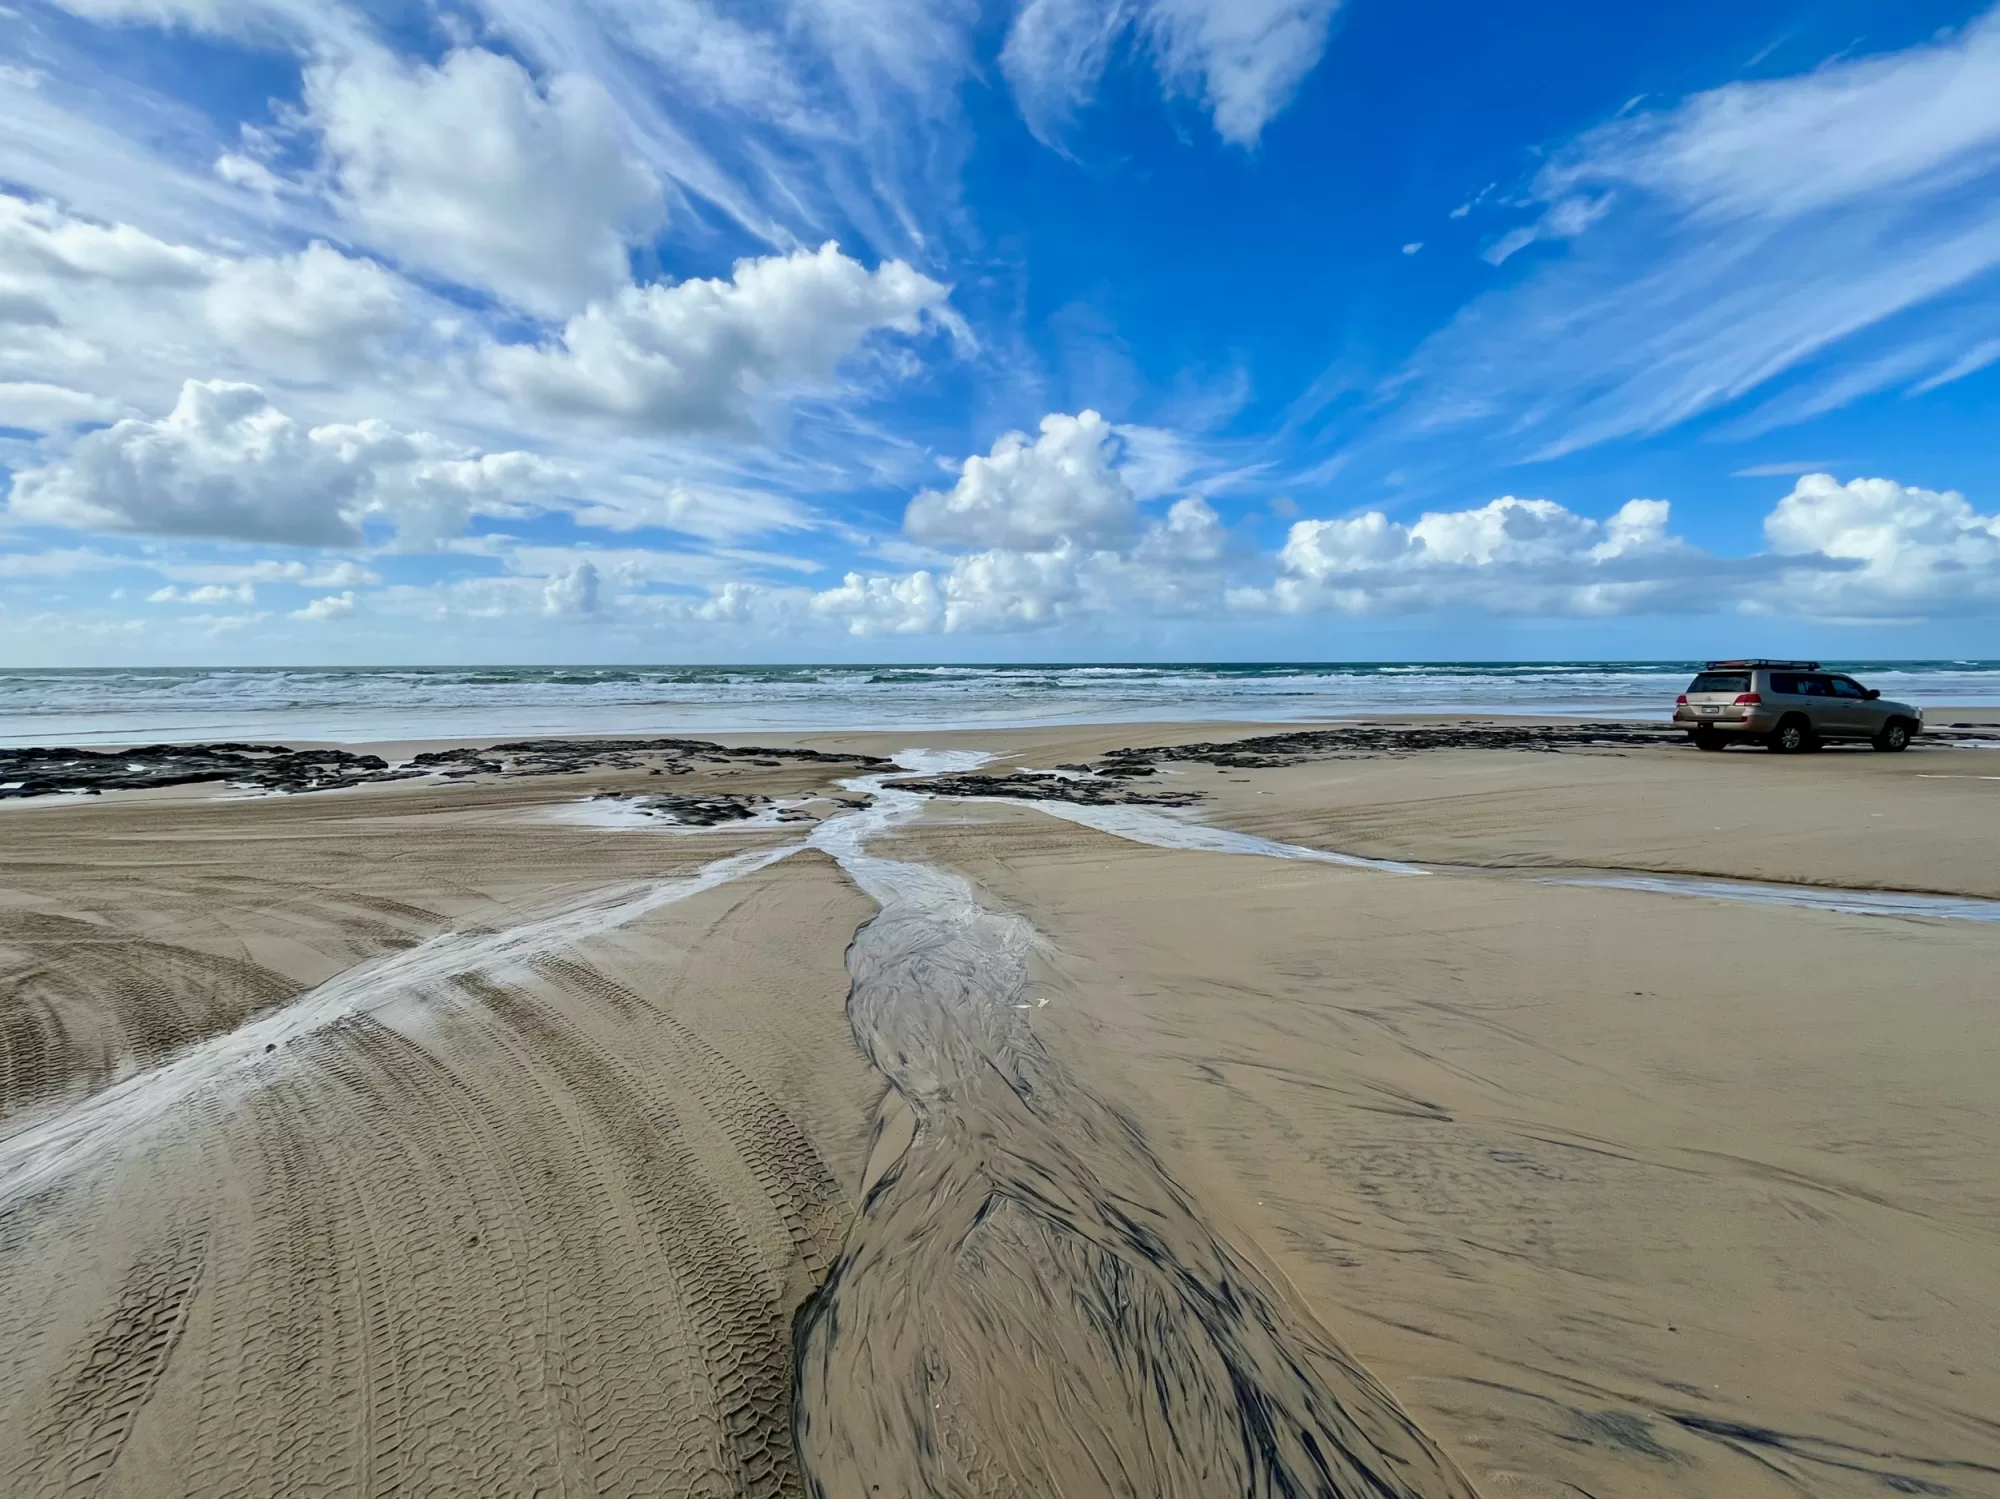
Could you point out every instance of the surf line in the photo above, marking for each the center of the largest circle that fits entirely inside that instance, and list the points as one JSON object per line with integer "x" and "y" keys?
{"x": 1028, "y": 1302}
{"x": 54, "y": 1148}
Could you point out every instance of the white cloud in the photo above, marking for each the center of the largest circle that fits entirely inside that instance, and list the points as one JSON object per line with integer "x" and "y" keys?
{"x": 215, "y": 626}
{"x": 1056, "y": 532}
{"x": 473, "y": 170}
{"x": 702, "y": 355}
{"x": 227, "y": 463}
{"x": 1924, "y": 118}
{"x": 35, "y": 407}
{"x": 326, "y": 607}
{"x": 710, "y": 511}
{"x": 1191, "y": 533}
{"x": 252, "y": 20}
{"x": 223, "y": 463}
{"x": 1031, "y": 492}
{"x": 1243, "y": 58}
{"x": 1809, "y": 240}
{"x": 317, "y": 309}
{"x": 58, "y": 562}
{"x": 1172, "y": 570}
{"x": 574, "y": 592}
{"x": 206, "y": 593}
{"x": 270, "y": 570}
{"x": 913, "y": 604}
{"x": 1916, "y": 551}
{"x": 1510, "y": 556}
{"x": 626, "y": 569}
{"x": 42, "y": 237}
{"x": 1784, "y": 469}
{"x": 112, "y": 303}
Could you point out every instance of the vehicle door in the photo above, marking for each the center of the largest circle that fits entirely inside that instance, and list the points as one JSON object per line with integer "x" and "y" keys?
{"x": 1852, "y": 710}
{"x": 1807, "y": 693}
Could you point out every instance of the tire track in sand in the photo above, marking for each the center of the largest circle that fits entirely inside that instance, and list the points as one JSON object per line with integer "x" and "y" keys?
{"x": 520, "y": 1226}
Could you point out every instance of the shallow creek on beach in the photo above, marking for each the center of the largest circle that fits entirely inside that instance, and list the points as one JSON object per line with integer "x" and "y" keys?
{"x": 1028, "y": 1300}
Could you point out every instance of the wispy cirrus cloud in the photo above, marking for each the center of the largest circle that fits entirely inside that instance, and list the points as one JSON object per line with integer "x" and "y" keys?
{"x": 1774, "y": 249}
{"x": 1242, "y": 59}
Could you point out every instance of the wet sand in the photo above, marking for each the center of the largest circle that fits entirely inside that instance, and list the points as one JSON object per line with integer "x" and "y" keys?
{"x": 948, "y": 1146}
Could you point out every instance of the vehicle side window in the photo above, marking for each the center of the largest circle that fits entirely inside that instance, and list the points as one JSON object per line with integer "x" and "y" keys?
{"x": 1783, "y": 683}
{"x": 1846, "y": 687}
{"x": 1814, "y": 687}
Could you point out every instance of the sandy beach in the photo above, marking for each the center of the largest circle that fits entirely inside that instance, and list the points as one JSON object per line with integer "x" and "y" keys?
{"x": 1425, "y": 1111}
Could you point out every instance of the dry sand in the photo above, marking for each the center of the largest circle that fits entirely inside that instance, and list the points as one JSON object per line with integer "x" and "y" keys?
{"x": 1132, "y": 1171}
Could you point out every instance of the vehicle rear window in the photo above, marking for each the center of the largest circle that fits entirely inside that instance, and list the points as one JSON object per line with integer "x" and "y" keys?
{"x": 1721, "y": 681}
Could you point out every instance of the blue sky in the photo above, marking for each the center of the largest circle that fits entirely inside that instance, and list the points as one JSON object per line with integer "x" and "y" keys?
{"x": 653, "y": 330}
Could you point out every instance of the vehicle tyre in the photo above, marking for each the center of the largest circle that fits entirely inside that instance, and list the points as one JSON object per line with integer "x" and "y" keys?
{"x": 1792, "y": 736}
{"x": 1894, "y": 738}
{"x": 1709, "y": 739}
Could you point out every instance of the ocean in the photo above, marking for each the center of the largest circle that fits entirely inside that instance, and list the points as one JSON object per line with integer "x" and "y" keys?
{"x": 356, "y": 705}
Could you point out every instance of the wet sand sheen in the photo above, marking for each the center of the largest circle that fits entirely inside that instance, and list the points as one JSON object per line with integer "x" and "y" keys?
{"x": 1028, "y": 1302}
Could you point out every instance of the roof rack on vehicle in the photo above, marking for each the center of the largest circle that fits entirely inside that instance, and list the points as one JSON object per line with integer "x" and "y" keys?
{"x": 1766, "y": 665}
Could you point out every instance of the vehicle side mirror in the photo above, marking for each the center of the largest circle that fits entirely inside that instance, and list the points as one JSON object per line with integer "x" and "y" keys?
{"x": 1871, "y": 694}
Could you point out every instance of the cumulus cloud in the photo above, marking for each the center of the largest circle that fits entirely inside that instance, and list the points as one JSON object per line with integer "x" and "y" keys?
{"x": 573, "y": 592}
{"x": 1054, "y": 532}
{"x": 226, "y": 463}
{"x": 318, "y": 307}
{"x": 326, "y": 607}
{"x": 1033, "y": 491}
{"x": 1243, "y": 59}
{"x": 699, "y": 356}
{"x": 1510, "y": 556}
{"x": 474, "y": 170}
{"x": 77, "y": 296}
{"x": 1910, "y": 551}
{"x": 223, "y": 463}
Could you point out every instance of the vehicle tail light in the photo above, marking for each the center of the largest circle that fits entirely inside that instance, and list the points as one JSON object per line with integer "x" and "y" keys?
{"x": 1748, "y": 699}
{"x": 1681, "y": 701}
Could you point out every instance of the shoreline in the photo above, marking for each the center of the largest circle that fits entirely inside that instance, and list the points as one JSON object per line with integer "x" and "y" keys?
{"x": 363, "y": 741}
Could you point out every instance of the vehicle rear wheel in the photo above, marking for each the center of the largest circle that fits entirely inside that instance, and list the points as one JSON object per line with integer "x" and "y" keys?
{"x": 1709, "y": 739}
{"x": 1793, "y": 736}
{"x": 1894, "y": 738}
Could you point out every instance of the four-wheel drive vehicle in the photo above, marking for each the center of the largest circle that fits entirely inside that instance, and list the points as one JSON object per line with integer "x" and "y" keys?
{"x": 1789, "y": 706}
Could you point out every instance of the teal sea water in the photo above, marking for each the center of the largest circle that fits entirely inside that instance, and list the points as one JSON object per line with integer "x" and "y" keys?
{"x": 122, "y": 706}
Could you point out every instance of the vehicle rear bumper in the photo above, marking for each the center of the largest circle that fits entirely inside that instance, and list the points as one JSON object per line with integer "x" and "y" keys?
{"x": 1748, "y": 723}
